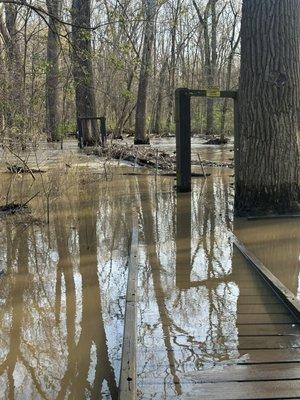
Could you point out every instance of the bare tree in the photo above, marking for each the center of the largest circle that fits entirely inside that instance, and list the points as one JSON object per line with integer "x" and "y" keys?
{"x": 83, "y": 68}
{"x": 141, "y": 106}
{"x": 52, "y": 81}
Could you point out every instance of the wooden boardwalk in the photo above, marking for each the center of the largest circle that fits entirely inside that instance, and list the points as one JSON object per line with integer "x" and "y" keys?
{"x": 268, "y": 344}
{"x": 269, "y": 334}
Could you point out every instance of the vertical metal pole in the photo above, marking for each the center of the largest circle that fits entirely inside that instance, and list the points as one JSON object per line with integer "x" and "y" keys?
{"x": 183, "y": 139}
{"x": 103, "y": 131}
{"x": 236, "y": 132}
{"x": 80, "y": 133}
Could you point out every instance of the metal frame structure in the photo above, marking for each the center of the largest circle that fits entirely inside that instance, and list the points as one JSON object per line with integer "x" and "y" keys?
{"x": 183, "y": 131}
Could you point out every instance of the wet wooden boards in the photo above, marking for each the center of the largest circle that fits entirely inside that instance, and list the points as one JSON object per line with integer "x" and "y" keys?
{"x": 127, "y": 387}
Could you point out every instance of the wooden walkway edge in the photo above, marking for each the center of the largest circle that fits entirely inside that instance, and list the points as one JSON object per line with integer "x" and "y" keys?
{"x": 285, "y": 295}
{"x": 128, "y": 378}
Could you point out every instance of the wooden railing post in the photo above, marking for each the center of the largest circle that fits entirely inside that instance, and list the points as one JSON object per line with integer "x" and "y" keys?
{"x": 183, "y": 139}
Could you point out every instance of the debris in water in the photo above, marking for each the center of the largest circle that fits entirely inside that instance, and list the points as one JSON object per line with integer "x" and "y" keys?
{"x": 17, "y": 169}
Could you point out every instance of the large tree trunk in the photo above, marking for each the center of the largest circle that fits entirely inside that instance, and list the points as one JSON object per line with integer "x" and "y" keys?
{"x": 141, "y": 106}
{"x": 12, "y": 38}
{"x": 267, "y": 147}
{"x": 52, "y": 82}
{"x": 83, "y": 68}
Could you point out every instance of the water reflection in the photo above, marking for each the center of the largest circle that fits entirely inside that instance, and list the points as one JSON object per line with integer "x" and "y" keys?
{"x": 187, "y": 314}
{"x": 62, "y": 293}
{"x": 276, "y": 243}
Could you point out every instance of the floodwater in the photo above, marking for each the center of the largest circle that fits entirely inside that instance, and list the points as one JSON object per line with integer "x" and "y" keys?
{"x": 63, "y": 284}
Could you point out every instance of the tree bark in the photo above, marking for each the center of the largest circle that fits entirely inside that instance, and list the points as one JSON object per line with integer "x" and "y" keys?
{"x": 267, "y": 146}
{"x": 52, "y": 81}
{"x": 11, "y": 37}
{"x": 141, "y": 106}
{"x": 83, "y": 69}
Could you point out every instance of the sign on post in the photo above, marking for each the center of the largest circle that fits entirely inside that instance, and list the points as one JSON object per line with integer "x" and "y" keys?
{"x": 213, "y": 92}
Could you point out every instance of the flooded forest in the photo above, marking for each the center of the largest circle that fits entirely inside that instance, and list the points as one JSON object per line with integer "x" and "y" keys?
{"x": 149, "y": 199}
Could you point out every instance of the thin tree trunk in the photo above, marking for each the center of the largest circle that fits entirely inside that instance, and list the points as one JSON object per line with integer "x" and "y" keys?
{"x": 267, "y": 147}
{"x": 141, "y": 106}
{"x": 157, "y": 128}
{"x": 83, "y": 69}
{"x": 52, "y": 81}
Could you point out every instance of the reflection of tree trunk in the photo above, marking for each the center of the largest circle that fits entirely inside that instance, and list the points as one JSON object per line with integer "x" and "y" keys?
{"x": 92, "y": 324}
{"x": 65, "y": 269}
{"x": 154, "y": 262}
{"x": 19, "y": 283}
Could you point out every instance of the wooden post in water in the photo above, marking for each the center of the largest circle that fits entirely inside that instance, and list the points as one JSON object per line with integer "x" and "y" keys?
{"x": 183, "y": 139}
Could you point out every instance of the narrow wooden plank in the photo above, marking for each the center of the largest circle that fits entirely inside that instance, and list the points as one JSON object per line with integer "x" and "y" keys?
{"x": 273, "y": 216}
{"x": 268, "y": 342}
{"x": 242, "y": 373}
{"x": 262, "y": 309}
{"x": 257, "y": 291}
{"x": 260, "y": 390}
{"x": 257, "y": 356}
{"x": 262, "y": 299}
{"x": 128, "y": 378}
{"x": 283, "y": 292}
{"x": 269, "y": 329}
{"x": 265, "y": 319}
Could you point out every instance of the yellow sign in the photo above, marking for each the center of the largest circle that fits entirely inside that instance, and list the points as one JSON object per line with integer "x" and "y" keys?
{"x": 213, "y": 92}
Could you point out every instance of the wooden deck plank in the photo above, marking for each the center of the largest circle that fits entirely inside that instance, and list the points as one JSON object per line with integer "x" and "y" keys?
{"x": 262, "y": 309}
{"x": 269, "y": 329}
{"x": 128, "y": 378}
{"x": 268, "y": 342}
{"x": 257, "y": 356}
{"x": 244, "y": 373}
{"x": 262, "y": 299}
{"x": 286, "y": 295}
{"x": 264, "y": 318}
{"x": 260, "y": 390}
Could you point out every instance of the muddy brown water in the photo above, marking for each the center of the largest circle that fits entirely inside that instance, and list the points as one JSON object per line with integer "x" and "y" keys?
{"x": 63, "y": 284}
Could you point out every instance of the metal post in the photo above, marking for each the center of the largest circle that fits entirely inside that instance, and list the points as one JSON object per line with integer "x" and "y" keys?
{"x": 183, "y": 139}
{"x": 103, "y": 131}
{"x": 80, "y": 133}
{"x": 236, "y": 131}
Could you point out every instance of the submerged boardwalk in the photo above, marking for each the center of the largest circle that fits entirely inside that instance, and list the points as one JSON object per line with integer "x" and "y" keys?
{"x": 267, "y": 346}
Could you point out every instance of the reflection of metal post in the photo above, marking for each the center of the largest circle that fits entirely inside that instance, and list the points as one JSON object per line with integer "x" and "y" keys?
{"x": 103, "y": 131}
{"x": 183, "y": 139}
{"x": 183, "y": 240}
